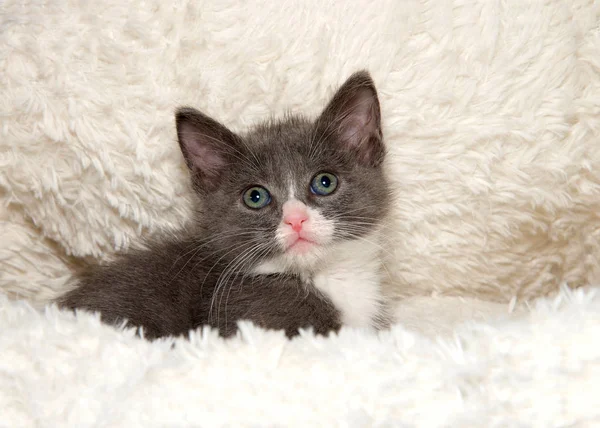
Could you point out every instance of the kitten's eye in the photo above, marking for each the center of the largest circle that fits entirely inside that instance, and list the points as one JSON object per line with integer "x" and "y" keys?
{"x": 323, "y": 184}
{"x": 256, "y": 197}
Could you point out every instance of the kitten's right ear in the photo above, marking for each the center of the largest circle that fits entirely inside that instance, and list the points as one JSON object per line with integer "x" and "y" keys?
{"x": 353, "y": 119}
{"x": 207, "y": 146}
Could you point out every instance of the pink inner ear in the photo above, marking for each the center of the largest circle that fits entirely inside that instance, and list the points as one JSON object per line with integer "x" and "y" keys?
{"x": 358, "y": 124}
{"x": 201, "y": 150}
{"x": 206, "y": 159}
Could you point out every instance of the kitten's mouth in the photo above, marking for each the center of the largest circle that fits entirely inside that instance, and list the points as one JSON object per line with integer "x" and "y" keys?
{"x": 301, "y": 245}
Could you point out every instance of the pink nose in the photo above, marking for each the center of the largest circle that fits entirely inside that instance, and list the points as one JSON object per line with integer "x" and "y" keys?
{"x": 294, "y": 214}
{"x": 295, "y": 220}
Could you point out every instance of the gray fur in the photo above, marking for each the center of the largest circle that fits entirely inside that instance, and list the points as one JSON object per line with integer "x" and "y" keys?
{"x": 202, "y": 276}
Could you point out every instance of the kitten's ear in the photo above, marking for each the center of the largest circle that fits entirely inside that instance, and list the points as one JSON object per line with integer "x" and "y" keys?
{"x": 207, "y": 146}
{"x": 353, "y": 118}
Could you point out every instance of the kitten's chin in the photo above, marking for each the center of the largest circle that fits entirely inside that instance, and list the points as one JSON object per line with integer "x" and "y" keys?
{"x": 300, "y": 247}
{"x": 302, "y": 257}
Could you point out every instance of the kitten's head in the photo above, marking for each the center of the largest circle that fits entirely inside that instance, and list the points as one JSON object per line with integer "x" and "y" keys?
{"x": 293, "y": 190}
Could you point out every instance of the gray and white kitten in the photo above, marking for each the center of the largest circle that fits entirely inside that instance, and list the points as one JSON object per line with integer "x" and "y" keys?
{"x": 286, "y": 232}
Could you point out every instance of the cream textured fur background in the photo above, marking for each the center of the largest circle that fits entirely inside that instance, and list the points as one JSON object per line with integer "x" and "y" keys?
{"x": 491, "y": 111}
{"x": 538, "y": 370}
{"x": 492, "y": 118}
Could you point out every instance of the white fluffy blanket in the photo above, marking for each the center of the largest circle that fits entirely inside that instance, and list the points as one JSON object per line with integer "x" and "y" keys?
{"x": 539, "y": 368}
{"x": 491, "y": 114}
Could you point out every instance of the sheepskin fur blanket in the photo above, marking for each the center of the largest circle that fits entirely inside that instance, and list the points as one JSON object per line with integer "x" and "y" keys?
{"x": 491, "y": 114}
{"x": 537, "y": 369}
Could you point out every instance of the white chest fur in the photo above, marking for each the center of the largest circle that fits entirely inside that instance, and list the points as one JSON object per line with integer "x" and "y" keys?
{"x": 352, "y": 280}
{"x": 350, "y": 275}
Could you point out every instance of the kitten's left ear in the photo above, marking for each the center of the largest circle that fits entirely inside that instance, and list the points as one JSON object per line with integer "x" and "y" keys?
{"x": 209, "y": 148}
{"x": 353, "y": 118}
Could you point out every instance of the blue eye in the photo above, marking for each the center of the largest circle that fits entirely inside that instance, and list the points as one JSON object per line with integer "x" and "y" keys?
{"x": 256, "y": 197}
{"x": 323, "y": 184}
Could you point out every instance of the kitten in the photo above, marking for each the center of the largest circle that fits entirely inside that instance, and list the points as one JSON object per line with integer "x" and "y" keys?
{"x": 286, "y": 235}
